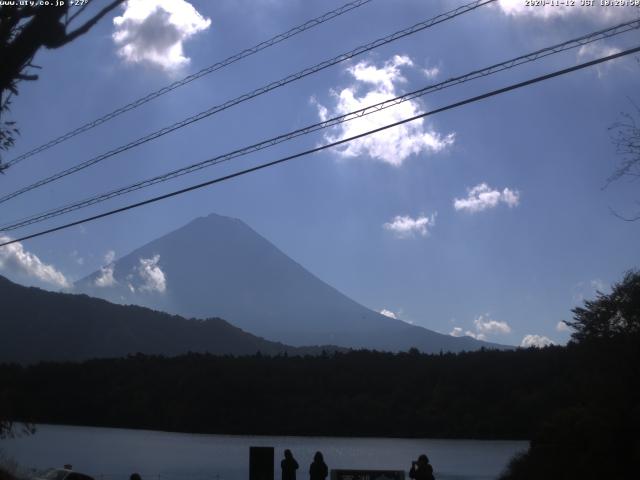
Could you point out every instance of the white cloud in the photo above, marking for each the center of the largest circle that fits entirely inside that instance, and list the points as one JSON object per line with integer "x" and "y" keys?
{"x": 15, "y": 259}
{"x": 595, "y": 13}
{"x": 486, "y": 325}
{"x": 323, "y": 112}
{"x": 477, "y": 336}
{"x": 459, "y": 332}
{"x": 388, "y": 313}
{"x": 384, "y": 77}
{"x": 591, "y": 51}
{"x": 153, "y": 31}
{"x": 562, "y": 327}
{"x": 456, "y": 332}
{"x": 482, "y": 197}
{"x": 510, "y": 197}
{"x": 431, "y": 73}
{"x": 106, "y": 278}
{"x": 596, "y": 50}
{"x": 404, "y": 226}
{"x": 396, "y": 316}
{"x": 538, "y": 341}
{"x": 374, "y": 85}
{"x": 152, "y": 276}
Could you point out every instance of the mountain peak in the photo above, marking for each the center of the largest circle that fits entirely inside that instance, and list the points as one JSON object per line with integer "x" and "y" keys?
{"x": 218, "y": 266}
{"x": 215, "y": 217}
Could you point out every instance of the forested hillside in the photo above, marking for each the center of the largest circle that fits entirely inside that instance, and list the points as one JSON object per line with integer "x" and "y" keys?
{"x": 37, "y": 325}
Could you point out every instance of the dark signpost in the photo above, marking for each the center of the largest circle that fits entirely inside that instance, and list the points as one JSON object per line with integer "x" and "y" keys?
{"x": 261, "y": 463}
{"x": 367, "y": 474}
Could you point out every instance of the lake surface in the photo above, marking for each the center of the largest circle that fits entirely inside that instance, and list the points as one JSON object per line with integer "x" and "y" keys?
{"x": 113, "y": 454}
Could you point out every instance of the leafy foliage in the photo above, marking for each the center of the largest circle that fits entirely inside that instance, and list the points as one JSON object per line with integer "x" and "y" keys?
{"x": 597, "y": 436}
{"x": 617, "y": 313}
{"x": 8, "y": 130}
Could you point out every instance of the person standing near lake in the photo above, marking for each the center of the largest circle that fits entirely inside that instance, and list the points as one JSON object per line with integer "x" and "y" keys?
{"x": 422, "y": 469}
{"x": 288, "y": 466}
{"x": 318, "y": 470}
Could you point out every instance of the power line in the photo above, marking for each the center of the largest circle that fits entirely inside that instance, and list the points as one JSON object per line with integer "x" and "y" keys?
{"x": 347, "y": 7}
{"x": 529, "y": 57}
{"x": 329, "y": 145}
{"x": 267, "y": 88}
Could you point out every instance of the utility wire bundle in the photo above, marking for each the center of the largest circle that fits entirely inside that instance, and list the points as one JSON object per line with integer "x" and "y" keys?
{"x": 490, "y": 70}
{"x": 254, "y": 93}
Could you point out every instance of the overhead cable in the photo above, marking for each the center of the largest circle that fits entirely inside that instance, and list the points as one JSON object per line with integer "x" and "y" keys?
{"x": 247, "y": 96}
{"x": 508, "y": 64}
{"x": 327, "y": 146}
{"x": 347, "y": 7}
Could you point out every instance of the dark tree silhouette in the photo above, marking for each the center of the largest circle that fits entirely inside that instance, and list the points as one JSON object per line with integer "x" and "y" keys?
{"x": 25, "y": 29}
{"x": 5, "y": 474}
{"x": 8, "y": 130}
{"x": 617, "y": 313}
{"x": 596, "y": 434}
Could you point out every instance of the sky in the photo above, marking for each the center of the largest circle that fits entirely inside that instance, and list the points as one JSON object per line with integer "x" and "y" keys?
{"x": 492, "y": 220}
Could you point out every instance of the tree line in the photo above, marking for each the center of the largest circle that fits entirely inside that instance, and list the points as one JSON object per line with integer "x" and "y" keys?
{"x": 485, "y": 394}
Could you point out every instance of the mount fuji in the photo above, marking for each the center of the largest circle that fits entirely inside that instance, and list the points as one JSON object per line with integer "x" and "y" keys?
{"x": 217, "y": 266}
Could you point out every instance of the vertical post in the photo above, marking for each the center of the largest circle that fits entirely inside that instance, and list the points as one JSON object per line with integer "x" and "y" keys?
{"x": 261, "y": 463}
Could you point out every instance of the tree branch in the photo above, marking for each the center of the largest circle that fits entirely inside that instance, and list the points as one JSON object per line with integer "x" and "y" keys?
{"x": 90, "y": 23}
{"x": 78, "y": 12}
{"x": 621, "y": 217}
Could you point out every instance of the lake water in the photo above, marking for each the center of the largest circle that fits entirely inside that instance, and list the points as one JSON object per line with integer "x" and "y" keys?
{"x": 113, "y": 454}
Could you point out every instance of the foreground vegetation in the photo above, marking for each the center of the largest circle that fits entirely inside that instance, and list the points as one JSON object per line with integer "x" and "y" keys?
{"x": 580, "y": 404}
{"x": 488, "y": 394}
{"x": 598, "y": 435}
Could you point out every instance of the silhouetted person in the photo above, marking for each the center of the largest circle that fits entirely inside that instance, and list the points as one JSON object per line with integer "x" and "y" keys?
{"x": 318, "y": 469}
{"x": 135, "y": 476}
{"x": 288, "y": 466}
{"x": 422, "y": 469}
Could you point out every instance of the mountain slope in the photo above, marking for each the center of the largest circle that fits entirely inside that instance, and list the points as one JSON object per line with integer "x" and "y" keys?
{"x": 218, "y": 266}
{"x": 37, "y": 325}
